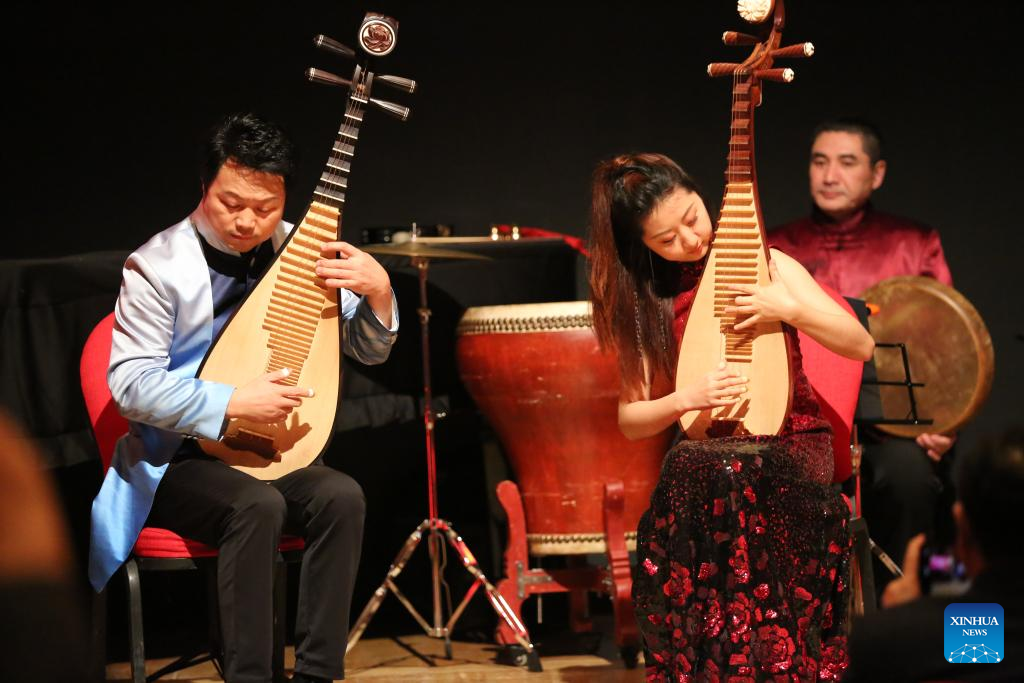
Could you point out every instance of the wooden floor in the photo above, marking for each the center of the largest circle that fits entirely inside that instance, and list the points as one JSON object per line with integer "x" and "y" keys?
{"x": 420, "y": 658}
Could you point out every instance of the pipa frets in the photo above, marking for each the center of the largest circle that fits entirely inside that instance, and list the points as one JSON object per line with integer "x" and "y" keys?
{"x": 738, "y": 229}
{"x": 290, "y": 338}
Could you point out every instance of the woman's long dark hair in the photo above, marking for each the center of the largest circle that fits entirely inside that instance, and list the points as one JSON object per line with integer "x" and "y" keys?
{"x": 632, "y": 288}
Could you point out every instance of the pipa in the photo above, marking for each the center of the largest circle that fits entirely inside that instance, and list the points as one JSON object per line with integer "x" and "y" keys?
{"x": 290, "y": 319}
{"x": 738, "y": 254}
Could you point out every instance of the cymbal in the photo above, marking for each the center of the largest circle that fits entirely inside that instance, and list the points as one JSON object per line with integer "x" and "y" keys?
{"x": 417, "y": 249}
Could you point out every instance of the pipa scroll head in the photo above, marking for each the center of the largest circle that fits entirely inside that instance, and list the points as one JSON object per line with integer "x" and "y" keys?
{"x": 755, "y": 11}
{"x": 378, "y": 34}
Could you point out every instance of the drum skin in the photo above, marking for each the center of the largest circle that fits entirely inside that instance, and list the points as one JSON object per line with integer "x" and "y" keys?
{"x": 948, "y": 348}
{"x": 537, "y": 374}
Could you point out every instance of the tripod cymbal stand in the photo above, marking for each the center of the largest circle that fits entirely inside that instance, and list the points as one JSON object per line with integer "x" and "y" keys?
{"x": 437, "y": 531}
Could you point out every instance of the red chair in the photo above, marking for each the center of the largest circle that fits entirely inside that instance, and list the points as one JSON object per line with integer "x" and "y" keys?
{"x": 836, "y": 383}
{"x": 161, "y": 549}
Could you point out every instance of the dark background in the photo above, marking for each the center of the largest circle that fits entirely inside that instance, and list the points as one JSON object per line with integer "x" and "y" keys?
{"x": 106, "y": 109}
{"x": 518, "y": 101}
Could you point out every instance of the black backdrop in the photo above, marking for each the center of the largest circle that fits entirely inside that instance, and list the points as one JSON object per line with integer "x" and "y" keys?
{"x": 518, "y": 101}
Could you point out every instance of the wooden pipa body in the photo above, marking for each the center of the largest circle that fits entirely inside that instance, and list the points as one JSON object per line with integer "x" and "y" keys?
{"x": 291, "y": 320}
{"x": 738, "y": 254}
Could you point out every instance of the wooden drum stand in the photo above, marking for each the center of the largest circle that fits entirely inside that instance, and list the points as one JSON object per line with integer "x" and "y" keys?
{"x": 536, "y": 372}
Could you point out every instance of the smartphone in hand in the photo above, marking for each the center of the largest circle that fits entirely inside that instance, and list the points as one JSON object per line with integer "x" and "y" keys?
{"x": 939, "y": 566}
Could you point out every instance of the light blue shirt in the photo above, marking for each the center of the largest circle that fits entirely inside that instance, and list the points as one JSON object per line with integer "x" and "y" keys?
{"x": 163, "y": 327}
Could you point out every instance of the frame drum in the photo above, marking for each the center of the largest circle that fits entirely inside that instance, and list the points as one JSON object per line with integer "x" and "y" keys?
{"x": 537, "y": 374}
{"x": 948, "y": 349}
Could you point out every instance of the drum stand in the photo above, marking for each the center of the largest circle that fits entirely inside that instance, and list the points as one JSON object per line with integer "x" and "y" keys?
{"x": 438, "y": 531}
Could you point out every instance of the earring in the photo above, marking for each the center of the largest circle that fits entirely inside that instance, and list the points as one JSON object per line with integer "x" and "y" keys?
{"x": 636, "y": 324}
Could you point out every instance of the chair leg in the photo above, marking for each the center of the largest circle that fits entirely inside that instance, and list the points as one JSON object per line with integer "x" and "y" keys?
{"x": 214, "y": 638}
{"x": 98, "y": 653}
{"x": 863, "y": 564}
{"x": 138, "y": 647}
{"x": 280, "y": 619}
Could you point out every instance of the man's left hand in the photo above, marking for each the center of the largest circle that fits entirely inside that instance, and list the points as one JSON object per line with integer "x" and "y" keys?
{"x": 766, "y": 304}
{"x": 358, "y": 272}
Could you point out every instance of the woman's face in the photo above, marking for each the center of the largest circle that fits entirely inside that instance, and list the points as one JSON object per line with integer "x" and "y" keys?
{"x": 678, "y": 228}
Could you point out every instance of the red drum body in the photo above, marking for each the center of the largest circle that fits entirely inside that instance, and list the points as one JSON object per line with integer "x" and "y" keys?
{"x": 536, "y": 372}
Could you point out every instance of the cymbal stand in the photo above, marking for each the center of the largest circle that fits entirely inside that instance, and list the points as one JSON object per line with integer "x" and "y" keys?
{"x": 438, "y": 531}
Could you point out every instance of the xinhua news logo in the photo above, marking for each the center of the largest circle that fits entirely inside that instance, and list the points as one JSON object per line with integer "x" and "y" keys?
{"x": 974, "y": 633}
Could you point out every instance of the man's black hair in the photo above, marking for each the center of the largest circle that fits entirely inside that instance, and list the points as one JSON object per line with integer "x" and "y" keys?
{"x": 869, "y": 134}
{"x": 249, "y": 141}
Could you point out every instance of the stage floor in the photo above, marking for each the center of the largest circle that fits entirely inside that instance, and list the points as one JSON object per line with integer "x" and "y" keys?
{"x": 420, "y": 658}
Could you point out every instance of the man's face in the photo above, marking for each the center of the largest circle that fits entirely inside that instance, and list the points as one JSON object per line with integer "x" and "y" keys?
{"x": 244, "y": 206}
{"x": 842, "y": 176}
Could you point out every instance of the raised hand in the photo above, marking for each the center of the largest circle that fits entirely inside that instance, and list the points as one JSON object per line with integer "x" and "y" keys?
{"x": 356, "y": 270}
{"x": 265, "y": 401}
{"x": 764, "y": 304}
{"x": 907, "y": 587}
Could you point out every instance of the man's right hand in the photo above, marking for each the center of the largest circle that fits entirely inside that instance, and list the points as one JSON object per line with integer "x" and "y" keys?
{"x": 265, "y": 401}
{"x": 936, "y": 445}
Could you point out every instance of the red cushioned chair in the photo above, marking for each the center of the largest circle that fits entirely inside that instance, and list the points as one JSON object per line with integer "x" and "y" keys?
{"x": 161, "y": 549}
{"x": 836, "y": 383}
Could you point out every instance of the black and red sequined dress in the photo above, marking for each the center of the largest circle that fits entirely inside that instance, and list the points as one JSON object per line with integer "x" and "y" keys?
{"x": 743, "y": 556}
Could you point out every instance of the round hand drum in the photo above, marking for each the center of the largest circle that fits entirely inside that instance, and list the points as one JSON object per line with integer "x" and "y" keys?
{"x": 537, "y": 374}
{"x": 948, "y": 348}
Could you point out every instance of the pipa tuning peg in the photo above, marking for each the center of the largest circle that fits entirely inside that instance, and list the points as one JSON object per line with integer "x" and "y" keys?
{"x": 736, "y": 38}
{"x": 780, "y": 75}
{"x": 722, "y": 68}
{"x": 406, "y": 84}
{"x": 798, "y": 50}
{"x": 396, "y": 110}
{"x": 331, "y": 45}
{"x": 326, "y": 78}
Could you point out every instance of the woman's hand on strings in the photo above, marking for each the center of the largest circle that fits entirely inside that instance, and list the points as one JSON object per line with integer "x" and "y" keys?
{"x": 720, "y": 387}
{"x": 763, "y": 304}
{"x": 265, "y": 400}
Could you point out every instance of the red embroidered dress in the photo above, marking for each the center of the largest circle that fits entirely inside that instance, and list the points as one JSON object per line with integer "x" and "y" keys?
{"x": 743, "y": 556}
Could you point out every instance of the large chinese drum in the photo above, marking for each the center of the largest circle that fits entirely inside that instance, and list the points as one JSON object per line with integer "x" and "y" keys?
{"x": 536, "y": 372}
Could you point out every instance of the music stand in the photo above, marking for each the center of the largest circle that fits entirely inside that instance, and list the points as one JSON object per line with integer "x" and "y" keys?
{"x": 437, "y": 530}
{"x": 869, "y": 413}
